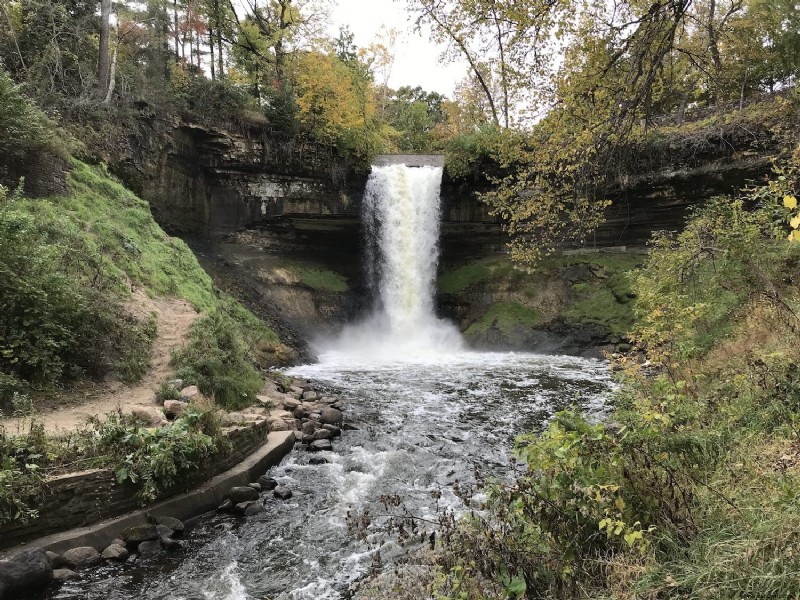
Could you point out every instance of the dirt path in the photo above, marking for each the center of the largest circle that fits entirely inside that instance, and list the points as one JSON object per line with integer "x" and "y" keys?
{"x": 175, "y": 317}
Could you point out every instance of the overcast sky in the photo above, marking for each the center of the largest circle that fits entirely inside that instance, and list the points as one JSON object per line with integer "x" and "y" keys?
{"x": 417, "y": 60}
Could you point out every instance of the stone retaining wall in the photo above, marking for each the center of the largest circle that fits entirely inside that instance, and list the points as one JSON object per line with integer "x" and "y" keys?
{"x": 80, "y": 499}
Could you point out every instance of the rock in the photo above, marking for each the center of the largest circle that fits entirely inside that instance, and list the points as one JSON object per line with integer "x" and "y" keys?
{"x": 348, "y": 427}
{"x": 234, "y": 418}
{"x": 55, "y": 559}
{"x": 282, "y": 414}
{"x": 292, "y": 424}
{"x": 175, "y": 524}
{"x": 333, "y": 429}
{"x": 117, "y": 542}
{"x": 319, "y": 445}
{"x": 226, "y": 505}
{"x": 300, "y": 412}
{"x": 115, "y": 552}
{"x": 164, "y": 531}
{"x": 282, "y": 493}
{"x": 315, "y": 417}
{"x": 309, "y": 427}
{"x": 176, "y": 384}
{"x": 307, "y": 438}
{"x": 152, "y": 416}
{"x": 254, "y": 508}
{"x": 291, "y": 403}
{"x": 267, "y": 483}
{"x": 242, "y": 494}
{"x": 296, "y": 391}
{"x": 190, "y": 392}
{"x": 256, "y": 486}
{"x": 327, "y": 400}
{"x": 305, "y": 386}
{"x": 277, "y": 424}
{"x": 25, "y": 571}
{"x": 150, "y": 548}
{"x": 174, "y": 408}
{"x": 81, "y": 558}
{"x": 169, "y": 544}
{"x": 310, "y": 396}
{"x": 323, "y": 434}
{"x": 133, "y": 536}
{"x": 64, "y": 575}
{"x": 298, "y": 436}
{"x": 331, "y": 416}
{"x": 337, "y": 406}
{"x": 318, "y": 460}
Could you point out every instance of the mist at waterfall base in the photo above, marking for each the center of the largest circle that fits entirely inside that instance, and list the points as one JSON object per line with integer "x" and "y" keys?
{"x": 401, "y": 216}
{"x": 423, "y": 414}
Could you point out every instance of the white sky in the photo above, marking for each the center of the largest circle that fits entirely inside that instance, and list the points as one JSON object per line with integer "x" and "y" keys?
{"x": 417, "y": 60}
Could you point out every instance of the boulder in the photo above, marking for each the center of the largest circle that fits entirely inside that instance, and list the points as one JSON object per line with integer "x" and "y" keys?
{"x": 318, "y": 460}
{"x": 226, "y": 505}
{"x": 300, "y": 412}
{"x": 81, "y": 558}
{"x": 305, "y": 386}
{"x": 292, "y": 424}
{"x": 336, "y": 431}
{"x": 323, "y": 434}
{"x": 115, "y": 552}
{"x": 282, "y": 493}
{"x": 254, "y": 508}
{"x": 291, "y": 403}
{"x": 150, "y": 548}
{"x": 242, "y": 494}
{"x": 117, "y": 542}
{"x": 307, "y": 396}
{"x": 267, "y": 483}
{"x": 256, "y": 486}
{"x": 64, "y": 575}
{"x": 309, "y": 427}
{"x": 189, "y": 392}
{"x": 298, "y": 436}
{"x": 133, "y": 536}
{"x": 176, "y": 384}
{"x": 169, "y": 544}
{"x": 234, "y": 418}
{"x": 164, "y": 531}
{"x": 327, "y": 400}
{"x": 296, "y": 391}
{"x": 174, "y": 408}
{"x": 315, "y": 417}
{"x": 331, "y": 416}
{"x": 55, "y": 559}
{"x": 277, "y": 424}
{"x": 318, "y": 445}
{"x": 175, "y": 524}
{"x": 27, "y": 570}
{"x": 307, "y": 438}
{"x": 152, "y": 416}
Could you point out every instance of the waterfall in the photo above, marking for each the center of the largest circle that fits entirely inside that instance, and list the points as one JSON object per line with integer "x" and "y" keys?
{"x": 401, "y": 217}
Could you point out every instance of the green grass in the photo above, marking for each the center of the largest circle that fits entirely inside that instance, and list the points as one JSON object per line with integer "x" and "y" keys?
{"x": 316, "y": 278}
{"x": 505, "y": 316}
{"x": 460, "y": 278}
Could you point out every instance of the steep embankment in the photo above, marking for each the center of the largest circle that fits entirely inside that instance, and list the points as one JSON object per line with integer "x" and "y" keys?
{"x": 573, "y": 304}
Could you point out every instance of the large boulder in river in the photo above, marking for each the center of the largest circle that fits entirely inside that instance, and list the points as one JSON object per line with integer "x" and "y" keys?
{"x": 27, "y": 570}
{"x": 115, "y": 552}
{"x": 241, "y": 494}
{"x": 81, "y": 558}
{"x": 133, "y": 536}
{"x": 319, "y": 445}
{"x": 175, "y": 524}
{"x": 330, "y": 416}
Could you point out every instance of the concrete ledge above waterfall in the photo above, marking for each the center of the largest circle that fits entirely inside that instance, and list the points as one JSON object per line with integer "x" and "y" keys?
{"x": 410, "y": 160}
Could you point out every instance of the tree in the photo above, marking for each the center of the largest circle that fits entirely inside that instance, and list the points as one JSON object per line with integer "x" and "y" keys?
{"x": 104, "y": 59}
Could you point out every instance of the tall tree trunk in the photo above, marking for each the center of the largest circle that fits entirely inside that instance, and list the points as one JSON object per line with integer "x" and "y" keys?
{"x": 112, "y": 73}
{"x": 175, "y": 26}
{"x": 211, "y": 46}
{"x": 220, "y": 57}
{"x": 104, "y": 59}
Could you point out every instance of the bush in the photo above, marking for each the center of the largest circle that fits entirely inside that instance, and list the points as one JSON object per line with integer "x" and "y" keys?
{"x": 221, "y": 356}
{"x": 23, "y": 127}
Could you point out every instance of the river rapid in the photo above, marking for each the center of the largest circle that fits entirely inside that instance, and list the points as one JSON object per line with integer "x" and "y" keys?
{"x": 421, "y": 424}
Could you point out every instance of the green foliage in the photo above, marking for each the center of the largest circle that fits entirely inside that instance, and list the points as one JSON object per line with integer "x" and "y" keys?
{"x": 23, "y": 127}
{"x": 159, "y": 459}
{"x": 222, "y": 354}
{"x": 21, "y": 478}
{"x": 505, "y": 316}
{"x": 316, "y": 278}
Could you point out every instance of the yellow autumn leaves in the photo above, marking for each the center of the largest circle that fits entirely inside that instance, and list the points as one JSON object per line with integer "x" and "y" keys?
{"x": 790, "y": 202}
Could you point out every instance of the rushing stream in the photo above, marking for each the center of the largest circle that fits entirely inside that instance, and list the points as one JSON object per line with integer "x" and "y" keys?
{"x": 424, "y": 412}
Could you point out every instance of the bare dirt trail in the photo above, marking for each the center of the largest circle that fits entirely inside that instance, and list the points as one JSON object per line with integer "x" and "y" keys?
{"x": 175, "y": 317}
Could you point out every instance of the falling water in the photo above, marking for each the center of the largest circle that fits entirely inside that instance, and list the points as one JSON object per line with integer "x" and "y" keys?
{"x": 401, "y": 216}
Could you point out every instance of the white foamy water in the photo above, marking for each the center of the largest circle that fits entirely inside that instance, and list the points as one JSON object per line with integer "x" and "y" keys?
{"x": 401, "y": 221}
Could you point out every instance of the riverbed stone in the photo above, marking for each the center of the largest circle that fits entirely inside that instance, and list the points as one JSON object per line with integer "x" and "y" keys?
{"x": 300, "y": 412}
{"x": 323, "y": 434}
{"x": 150, "y": 548}
{"x": 164, "y": 531}
{"x": 255, "y": 485}
{"x": 282, "y": 493}
{"x": 82, "y": 557}
{"x": 169, "y": 544}
{"x": 55, "y": 559}
{"x": 298, "y": 436}
{"x": 308, "y": 427}
{"x": 115, "y": 552}
{"x": 307, "y": 396}
{"x": 27, "y": 570}
{"x": 335, "y": 431}
{"x": 176, "y": 384}
{"x": 291, "y": 403}
{"x": 64, "y": 575}
{"x": 319, "y": 445}
{"x": 331, "y": 416}
{"x": 242, "y": 494}
{"x": 267, "y": 483}
{"x": 226, "y": 505}
{"x": 174, "y": 408}
{"x": 133, "y": 536}
{"x": 277, "y": 424}
{"x": 253, "y": 508}
{"x": 175, "y": 524}
{"x": 318, "y": 460}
